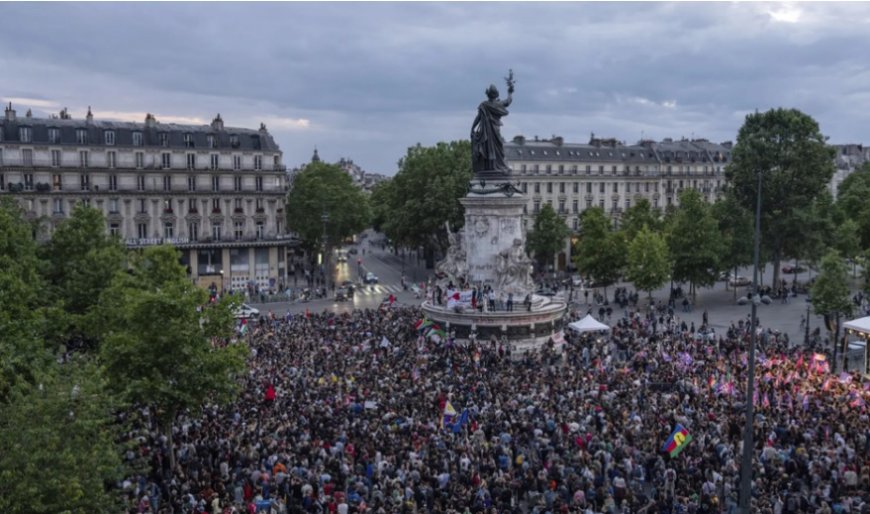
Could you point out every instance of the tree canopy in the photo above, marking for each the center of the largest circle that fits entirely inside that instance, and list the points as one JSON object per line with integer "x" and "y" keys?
{"x": 694, "y": 241}
{"x": 648, "y": 261}
{"x": 548, "y": 235}
{"x": 320, "y": 189}
{"x": 788, "y": 149}
{"x": 601, "y": 251}
{"x": 640, "y": 215}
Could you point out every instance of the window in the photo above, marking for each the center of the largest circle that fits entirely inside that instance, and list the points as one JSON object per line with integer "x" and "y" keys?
{"x": 574, "y": 206}
{"x": 525, "y": 187}
{"x": 214, "y": 161}
{"x": 25, "y": 134}
{"x": 113, "y": 182}
{"x": 191, "y": 183}
{"x": 523, "y": 167}
{"x": 537, "y": 187}
{"x": 55, "y": 158}
{"x": 210, "y": 141}
{"x": 589, "y": 203}
{"x": 191, "y": 161}
{"x": 260, "y": 230}
{"x": 588, "y": 169}
{"x": 616, "y": 187}
{"x": 525, "y": 209}
{"x": 655, "y": 203}
{"x": 237, "y": 204}
{"x": 258, "y": 162}
{"x": 191, "y": 205}
{"x": 589, "y": 188}
{"x": 216, "y": 232}
{"x": 83, "y": 158}
{"x": 57, "y": 206}
{"x": 576, "y": 187}
{"x": 576, "y": 224}
{"x": 561, "y": 206}
{"x": 1, "y": 152}
{"x": 535, "y": 168}
{"x": 140, "y": 160}
{"x": 56, "y": 182}
{"x": 140, "y": 183}
{"x": 114, "y": 230}
{"x": 237, "y": 183}
{"x": 601, "y": 187}
{"x": 600, "y": 170}
{"x": 111, "y": 159}
{"x": 259, "y": 182}
{"x": 646, "y": 187}
{"x": 215, "y": 205}
{"x": 166, "y": 160}
{"x": 142, "y": 230}
{"x": 113, "y": 205}
{"x": 54, "y": 136}
{"x": 215, "y": 183}
{"x": 193, "y": 231}
{"x": 143, "y": 206}
{"x": 549, "y": 168}
{"x": 85, "y": 182}
{"x": 613, "y": 170}
{"x": 27, "y": 157}
{"x": 188, "y": 140}
{"x": 109, "y": 137}
{"x": 81, "y": 136}
{"x": 137, "y": 139}
{"x": 601, "y": 203}
{"x": 627, "y": 203}
{"x": 537, "y": 206}
{"x": 164, "y": 139}
{"x": 168, "y": 230}
{"x": 167, "y": 183}
{"x": 549, "y": 187}
{"x": 561, "y": 187}
{"x": 259, "y": 204}
{"x": 237, "y": 162}
{"x": 239, "y": 229}
{"x": 234, "y": 140}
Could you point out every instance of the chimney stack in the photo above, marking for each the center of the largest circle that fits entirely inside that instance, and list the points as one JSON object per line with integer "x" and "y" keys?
{"x": 217, "y": 123}
{"x": 90, "y": 116}
{"x": 10, "y": 113}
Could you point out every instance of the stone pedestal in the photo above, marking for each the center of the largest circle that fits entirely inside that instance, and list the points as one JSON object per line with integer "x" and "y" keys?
{"x": 492, "y": 224}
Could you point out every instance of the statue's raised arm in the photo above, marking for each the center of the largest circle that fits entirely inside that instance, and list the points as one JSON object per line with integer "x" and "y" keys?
{"x": 487, "y": 146}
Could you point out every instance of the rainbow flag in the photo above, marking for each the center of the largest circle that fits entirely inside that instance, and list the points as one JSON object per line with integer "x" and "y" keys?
{"x": 678, "y": 440}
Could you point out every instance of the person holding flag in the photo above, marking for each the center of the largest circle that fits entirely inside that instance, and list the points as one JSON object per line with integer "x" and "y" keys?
{"x": 677, "y": 441}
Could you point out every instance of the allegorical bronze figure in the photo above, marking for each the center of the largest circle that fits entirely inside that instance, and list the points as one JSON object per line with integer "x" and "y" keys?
{"x": 487, "y": 146}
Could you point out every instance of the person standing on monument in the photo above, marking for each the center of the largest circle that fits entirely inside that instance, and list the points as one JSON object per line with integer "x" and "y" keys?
{"x": 487, "y": 147}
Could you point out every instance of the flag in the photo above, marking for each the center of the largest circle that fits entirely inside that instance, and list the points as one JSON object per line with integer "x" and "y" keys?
{"x": 677, "y": 441}
{"x": 463, "y": 419}
{"x": 244, "y": 328}
{"x": 800, "y": 361}
{"x": 447, "y": 415}
{"x": 423, "y": 324}
{"x": 713, "y": 383}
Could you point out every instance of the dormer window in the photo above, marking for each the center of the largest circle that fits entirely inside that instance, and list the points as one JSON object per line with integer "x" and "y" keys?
{"x": 81, "y": 136}
{"x": 25, "y": 134}
{"x": 234, "y": 141}
{"x": 109, "y": 137}
{"x": 137, "y": 139}
{"x": 54, "y": 136}
{"x": 211, "y": 141}
{"x": 188, "y": 140}
{"x": 164, "y": 139}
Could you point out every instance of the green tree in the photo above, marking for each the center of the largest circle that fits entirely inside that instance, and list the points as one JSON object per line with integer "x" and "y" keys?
{"x": 640, "y": 215}
{"x": 694, "y": 242}
{"x": 57, "y": 449}
{"x": 736, "y": 228}
{"x": 648, "y": 262}
{"x": 163, "y": 343}
{"x": 601, "y": 251}
{"x": 788, "y": 149}
{"x": 424, "y": 195}
{"x": 852, "y": 201}
{"x": 379, "y": 202}
{"x": 847, "y": 241}
{"x": 79, "y": 263}
{"x": 830, "y": 292}
{"x": 320, "y": 189}
{"x": 22, "y": 353}
{"x": 547, "y": 236}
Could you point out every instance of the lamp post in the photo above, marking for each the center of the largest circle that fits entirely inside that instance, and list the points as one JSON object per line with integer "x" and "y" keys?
{"x": 327, "y": 270}
{"x": 745, "y": 498}
{"x": 807, "y": 324}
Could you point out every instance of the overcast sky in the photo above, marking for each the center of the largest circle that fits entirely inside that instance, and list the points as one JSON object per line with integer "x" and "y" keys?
{"x": 366, "y": 81}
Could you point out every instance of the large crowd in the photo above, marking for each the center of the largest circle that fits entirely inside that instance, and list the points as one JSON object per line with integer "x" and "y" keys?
{"x": 344, "y": 413}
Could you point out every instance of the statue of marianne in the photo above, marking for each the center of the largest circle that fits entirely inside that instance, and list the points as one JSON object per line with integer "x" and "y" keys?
{"x": 487, "y": 147}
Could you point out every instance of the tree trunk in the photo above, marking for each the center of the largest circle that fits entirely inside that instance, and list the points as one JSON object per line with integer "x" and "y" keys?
{"x": 735, "y": 288}
{"x": 777, "y": 260}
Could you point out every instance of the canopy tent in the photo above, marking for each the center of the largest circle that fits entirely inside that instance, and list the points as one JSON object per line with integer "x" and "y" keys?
{"x": 860, "y": 327}
{"x": 588, "y": 324}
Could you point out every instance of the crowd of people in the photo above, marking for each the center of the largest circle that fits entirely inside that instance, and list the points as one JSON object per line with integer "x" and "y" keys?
{"x": 346, "y": 413}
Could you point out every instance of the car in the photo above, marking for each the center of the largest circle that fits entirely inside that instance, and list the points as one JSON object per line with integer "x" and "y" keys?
{"x": 342, "y": 294}
{"x": 738, "y": 281}
{"x": 577, "y": 281}
{"x": 342, "y": 257}
{"x": 371, "y": 278}
{"x": 246, "y": 311}
{"x": 352, "y": 251}
{"x": 792, "y": 269}
{"x": 348, "y": 286}
{"x": 546, "y": 291}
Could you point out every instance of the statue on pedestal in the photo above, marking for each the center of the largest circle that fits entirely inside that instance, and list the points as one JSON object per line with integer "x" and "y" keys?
{"x": 454, "y": 263}
{"x": 487, "y": 146}
{"x": 513, "y": 270}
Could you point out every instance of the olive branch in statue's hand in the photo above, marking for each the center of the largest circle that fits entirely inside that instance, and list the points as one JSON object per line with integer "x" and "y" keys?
{"x": 510, "y": 81}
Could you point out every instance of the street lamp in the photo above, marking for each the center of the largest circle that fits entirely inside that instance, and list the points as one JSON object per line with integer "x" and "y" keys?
{"x": 327, "y": 271}
{"x": 745, "y": 498}
{"x": 807, "y": 324}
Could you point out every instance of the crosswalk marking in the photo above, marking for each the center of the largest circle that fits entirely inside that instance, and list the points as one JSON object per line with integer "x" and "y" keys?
{"x": 376, "y": 289}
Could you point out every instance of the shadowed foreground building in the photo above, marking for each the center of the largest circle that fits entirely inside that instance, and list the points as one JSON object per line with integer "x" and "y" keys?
{"x": 216, "y": 193}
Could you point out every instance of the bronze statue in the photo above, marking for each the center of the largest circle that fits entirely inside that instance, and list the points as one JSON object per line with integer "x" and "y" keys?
{"x": 487, "y": 147}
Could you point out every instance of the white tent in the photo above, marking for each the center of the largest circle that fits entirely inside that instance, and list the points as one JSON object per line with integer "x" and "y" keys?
{"x": 588, "y": 324}
{"x": 858, "y": 325}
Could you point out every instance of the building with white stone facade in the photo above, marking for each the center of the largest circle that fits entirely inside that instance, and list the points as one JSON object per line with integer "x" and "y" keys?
{"x": 216, "y": 193}
{"x": 609, "y": 174}
{"x": 848, "y": 159}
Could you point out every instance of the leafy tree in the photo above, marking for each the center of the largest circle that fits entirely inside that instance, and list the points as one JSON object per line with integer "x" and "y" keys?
{"x": 79, "y": 263}
{"x": 787, "y": 148}
{"x": 600, "y": 252}
{"x": 737, "y": 231}
{"x": 163, "y": 343}
{"x": 22, "y": 353}
{"x": 425, "y": 194}
{"x": 847, "y": 242}
{"x": 379, "y": 202}
{"x": 639, "y": 215}
{"x": 57, "y": 450}
{"x": 548, "y": 235}
{"x": 852, "y": 201}
{"x": 830, "y": 292}
{"x": 648, "y": 261}
{"x": 694, "y": 242}
{"x": 320, "y": 189}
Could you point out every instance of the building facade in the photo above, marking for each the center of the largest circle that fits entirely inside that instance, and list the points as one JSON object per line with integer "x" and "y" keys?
{"x": 847, "y": 160}
{"x": 216, "y": 193}
{"x": 609, "y": 174}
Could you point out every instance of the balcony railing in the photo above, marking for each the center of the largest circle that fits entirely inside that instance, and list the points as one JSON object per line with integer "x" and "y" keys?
{"x": 11, "y": 163}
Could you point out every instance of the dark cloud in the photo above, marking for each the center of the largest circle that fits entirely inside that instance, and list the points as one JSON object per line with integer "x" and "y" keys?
{"x": 367, "y": 81}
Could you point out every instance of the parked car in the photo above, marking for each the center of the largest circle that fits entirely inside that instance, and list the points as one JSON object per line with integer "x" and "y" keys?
{"x": 352, "y": 251}
{"x": 546, "y": 291}
{"x": 793, "y": 269}
{"x": 246, "y": 311}
{"x": 342, "y": 294}
{"x": 739, "y": 281}
{"x": 348, "y": 286}
{"x": 371, "y": 278}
